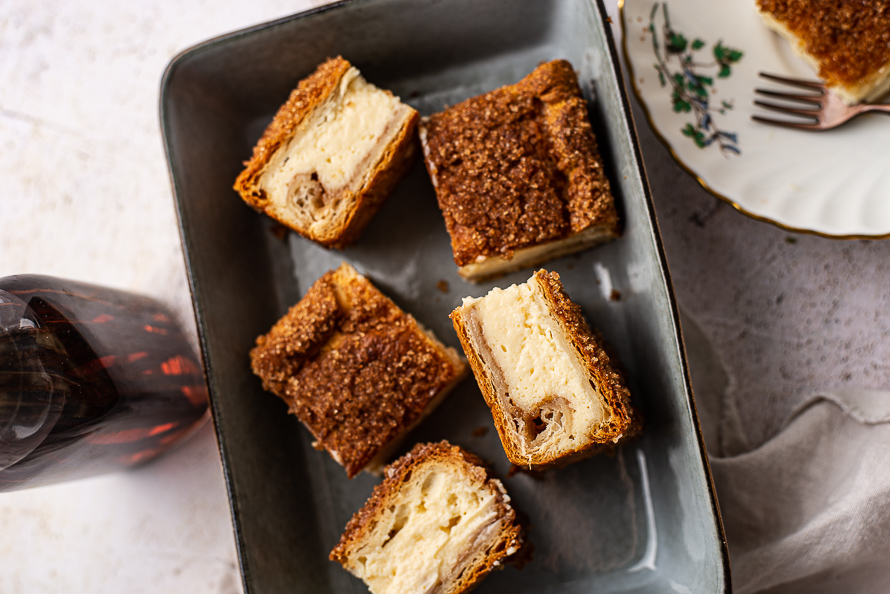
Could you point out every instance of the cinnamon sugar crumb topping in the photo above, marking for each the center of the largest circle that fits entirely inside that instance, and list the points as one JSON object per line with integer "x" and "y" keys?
{"x": 353, "y": 367}
{"x": 850, "y": 40}
{"x": 518, "y": 166}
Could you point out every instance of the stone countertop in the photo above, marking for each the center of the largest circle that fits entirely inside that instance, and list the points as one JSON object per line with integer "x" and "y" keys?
{"x": 770, "y": 316}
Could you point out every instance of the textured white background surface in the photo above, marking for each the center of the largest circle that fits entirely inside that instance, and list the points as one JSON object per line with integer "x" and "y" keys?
{"x": 85, "y": 195}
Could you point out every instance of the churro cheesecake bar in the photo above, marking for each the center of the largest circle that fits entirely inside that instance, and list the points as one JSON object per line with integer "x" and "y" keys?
{"x": 848, "y": 43}
{"x": 332, "y": 154}
{"x": 438, "y": 523}
{"x": 518, "y": 175}
{"x": 354, "y": 368}
{"x": 554, "y": 392}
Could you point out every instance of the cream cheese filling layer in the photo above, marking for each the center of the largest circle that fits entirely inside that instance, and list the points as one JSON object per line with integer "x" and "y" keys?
{"x": 487, "y": 266}
{"x": 545, "y": 383}
{"x": 439, "y": 524}
{"x": 334, "y": 150}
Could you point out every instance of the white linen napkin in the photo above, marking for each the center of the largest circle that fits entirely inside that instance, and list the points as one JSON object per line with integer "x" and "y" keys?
{"x": 807, "y": 511}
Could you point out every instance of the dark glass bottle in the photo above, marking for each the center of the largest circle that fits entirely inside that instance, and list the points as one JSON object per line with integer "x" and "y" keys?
{"x": 91, "y": 380}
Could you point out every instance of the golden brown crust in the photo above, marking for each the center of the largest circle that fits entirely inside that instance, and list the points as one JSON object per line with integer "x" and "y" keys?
{"x": 310, "y": 94}
{"x": 396, "y": 474}
{"x": 849, "y": 40}
{"x": 281, "y": 353}
{"x": 625, "y": 421}
{"x": 353, "y": 367}
{"x": 518, "y": 166}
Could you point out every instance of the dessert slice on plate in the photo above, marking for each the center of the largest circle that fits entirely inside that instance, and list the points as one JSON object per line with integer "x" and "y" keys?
{"x": 554, "y": 392}
{"x": 354, "y": 368}
{"x": 438, "y": 523}
{"x": 518, "y": 175}
{"x": 332, "y": 154}
{"x": 848, "y": 43}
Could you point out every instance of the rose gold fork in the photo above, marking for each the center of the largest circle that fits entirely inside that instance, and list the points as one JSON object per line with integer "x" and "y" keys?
{"x": 820, "y": 109}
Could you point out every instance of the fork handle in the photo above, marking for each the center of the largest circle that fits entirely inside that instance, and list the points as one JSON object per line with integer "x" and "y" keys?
{"x": 878, "y": 107}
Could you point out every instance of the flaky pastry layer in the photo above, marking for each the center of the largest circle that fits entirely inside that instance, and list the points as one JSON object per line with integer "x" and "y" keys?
{"x": 438, "y": 523}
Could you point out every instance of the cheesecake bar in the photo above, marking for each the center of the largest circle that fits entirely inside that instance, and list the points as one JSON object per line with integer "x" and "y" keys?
{"x": 354, "y": 368}
{"x": 553, "y": 391}
{"x": 848, "y": 43}
{"x": 518, "y": 175}
{"x": 332, "y": 154}
{"x": 438, "y": 523}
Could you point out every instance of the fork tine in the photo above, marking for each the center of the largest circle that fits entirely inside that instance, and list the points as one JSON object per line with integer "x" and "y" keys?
{"x": 810, "y": 99}
{"x": 811, "y": 113}
{"x": 799, "y": 82}
{"x": 785, "y": 123}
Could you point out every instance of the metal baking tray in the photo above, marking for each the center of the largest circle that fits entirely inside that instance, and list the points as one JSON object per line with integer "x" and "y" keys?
{"x": 642, "y": 520}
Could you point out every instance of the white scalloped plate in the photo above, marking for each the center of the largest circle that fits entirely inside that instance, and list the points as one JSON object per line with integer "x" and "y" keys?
{"x": 834, "y": 183}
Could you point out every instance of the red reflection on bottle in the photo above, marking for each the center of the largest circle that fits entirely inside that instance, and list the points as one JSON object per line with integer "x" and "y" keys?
{"x": 91, "y": 380}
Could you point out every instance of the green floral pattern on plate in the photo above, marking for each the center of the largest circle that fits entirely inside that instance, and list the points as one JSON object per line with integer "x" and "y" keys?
{"x": 680, "y": 66}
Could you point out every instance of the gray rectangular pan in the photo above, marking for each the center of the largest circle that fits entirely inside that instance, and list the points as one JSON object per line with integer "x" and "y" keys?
{"x": 642, "y": 520}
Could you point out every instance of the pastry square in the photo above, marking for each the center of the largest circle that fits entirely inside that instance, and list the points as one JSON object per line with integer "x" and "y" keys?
{"x": 438, "y": 523}
{"x": 354, "y": 368}
{"x": 332, "y": 154}
{"x": 554, "y": 392}
{"x": 518, "y": 175}
{"x": 848, "y": 43}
